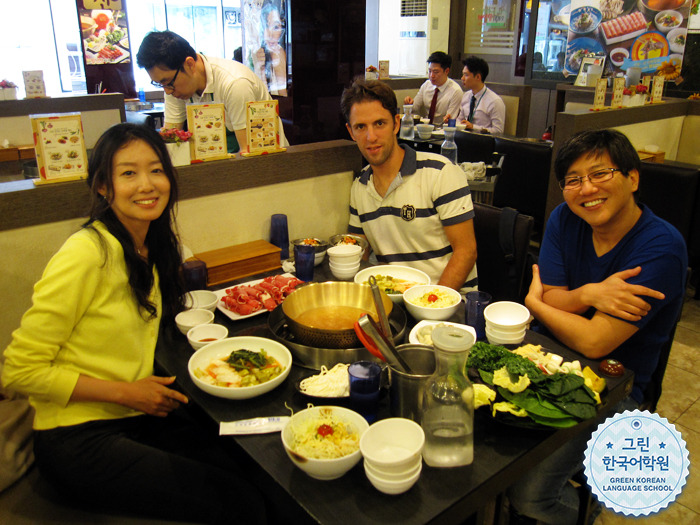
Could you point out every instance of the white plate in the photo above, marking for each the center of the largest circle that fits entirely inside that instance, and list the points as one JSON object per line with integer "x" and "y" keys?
{"x": 413, "y": 336}
{"x": 233, "y": 315}
{"x": 205, "y": 355}
{"x": 400, "y": 272}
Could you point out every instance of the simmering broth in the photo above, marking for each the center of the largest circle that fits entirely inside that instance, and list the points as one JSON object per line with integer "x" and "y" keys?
{"x": 331, "y": 317}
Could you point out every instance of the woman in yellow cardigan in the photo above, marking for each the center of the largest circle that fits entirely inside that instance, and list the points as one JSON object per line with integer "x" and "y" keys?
{"x": 107, "y": 430}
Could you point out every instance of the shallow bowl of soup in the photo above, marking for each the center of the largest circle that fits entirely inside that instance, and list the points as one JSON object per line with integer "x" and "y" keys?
{"x": 224, "y": 369}
{"x": 324, "y": 441}
{"x": 651, "y": 8}
{"x": 323, "y": 315}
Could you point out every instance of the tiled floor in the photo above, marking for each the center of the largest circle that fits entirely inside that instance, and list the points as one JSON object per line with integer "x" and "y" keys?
{"x": 680, "y": 404}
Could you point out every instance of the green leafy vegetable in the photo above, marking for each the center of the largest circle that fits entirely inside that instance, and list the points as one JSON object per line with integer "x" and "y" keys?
{"x": 246, "y": 359}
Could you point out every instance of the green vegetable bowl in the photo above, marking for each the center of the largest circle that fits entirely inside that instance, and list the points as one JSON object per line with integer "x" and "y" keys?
{"x": 249, "y": 354}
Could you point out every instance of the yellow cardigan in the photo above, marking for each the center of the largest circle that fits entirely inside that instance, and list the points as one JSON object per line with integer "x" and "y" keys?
{"x": 84, "y": 320}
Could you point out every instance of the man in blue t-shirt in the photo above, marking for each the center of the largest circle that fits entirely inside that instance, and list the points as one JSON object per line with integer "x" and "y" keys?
{"x": 610, "y": 283}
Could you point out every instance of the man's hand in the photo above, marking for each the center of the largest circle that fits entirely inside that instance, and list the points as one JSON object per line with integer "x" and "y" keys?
{"x": 536, "y": 292}
{"x": 614, "y": 296}
{"x": 408, "y": 100}
{"x": 152, "y": 396}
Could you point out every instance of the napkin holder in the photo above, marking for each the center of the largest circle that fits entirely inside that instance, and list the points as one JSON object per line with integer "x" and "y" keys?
{"x": 241, "y": 260}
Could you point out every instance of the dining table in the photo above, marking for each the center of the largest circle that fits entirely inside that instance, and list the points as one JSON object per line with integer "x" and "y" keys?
{"x": 502, "y": 453}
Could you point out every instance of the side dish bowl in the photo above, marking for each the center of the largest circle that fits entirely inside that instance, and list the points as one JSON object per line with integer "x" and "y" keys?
{"x": 394, "y": 270}
{"x": 190, "y": 318}
{"x": 204, "y": 334}
{"x": 201, "y": 299}
{"x": 220, "y": 349}
{"x": 423, "y": 329}
{"x": 433, "y": 313}
{"x": 323, "y": 469}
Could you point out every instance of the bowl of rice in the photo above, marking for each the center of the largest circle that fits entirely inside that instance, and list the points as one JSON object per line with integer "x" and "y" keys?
{"x": 432, "y": 302}
{"x": 324, "y": 441}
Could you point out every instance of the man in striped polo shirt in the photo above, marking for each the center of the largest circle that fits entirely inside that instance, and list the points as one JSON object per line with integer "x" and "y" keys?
{"x": 415, "y": 208}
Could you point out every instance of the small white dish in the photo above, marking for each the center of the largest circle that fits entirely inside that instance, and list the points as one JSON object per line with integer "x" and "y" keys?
{"x": 418, "y": 334}
{"x": 188, "y": 319}
{"x": 201, "y": 299}
{"x": 507, "y": 315}
{"x": 204, "y": 334}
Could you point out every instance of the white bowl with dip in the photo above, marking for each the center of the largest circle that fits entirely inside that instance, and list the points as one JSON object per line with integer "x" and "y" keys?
{"x": 204, "y": 334}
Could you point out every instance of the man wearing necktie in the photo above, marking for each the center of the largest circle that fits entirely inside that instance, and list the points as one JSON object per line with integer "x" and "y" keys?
{"x": 439, "y": 95}
{"x": 480, "y": 109}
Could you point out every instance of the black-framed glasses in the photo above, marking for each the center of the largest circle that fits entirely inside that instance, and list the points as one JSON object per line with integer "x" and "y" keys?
{"x": 168, "y": 85}
{"x": 574, "y": 182}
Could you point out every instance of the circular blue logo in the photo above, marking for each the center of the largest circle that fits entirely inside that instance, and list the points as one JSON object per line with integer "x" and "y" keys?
{"x": 636, "y": 463}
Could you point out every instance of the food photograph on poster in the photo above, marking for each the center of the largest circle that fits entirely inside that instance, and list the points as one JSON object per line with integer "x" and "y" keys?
{"x": 105, "y": 36}
{"x": 645, "y": 34}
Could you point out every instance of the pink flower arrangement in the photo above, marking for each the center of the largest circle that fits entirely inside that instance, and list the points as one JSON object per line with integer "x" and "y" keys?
{"x": 641, "y": 89}
{"x": 175, "y": 135}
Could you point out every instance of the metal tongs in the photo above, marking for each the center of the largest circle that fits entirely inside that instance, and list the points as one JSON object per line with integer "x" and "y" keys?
{"x": 379, "y": 306}
{"x": 372, "y": 337}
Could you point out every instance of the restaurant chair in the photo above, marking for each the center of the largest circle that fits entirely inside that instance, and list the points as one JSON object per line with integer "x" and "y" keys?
{"x": 524, "y": 179}
{"x": 474, "y": 147}
{"x": 502, "y": 243}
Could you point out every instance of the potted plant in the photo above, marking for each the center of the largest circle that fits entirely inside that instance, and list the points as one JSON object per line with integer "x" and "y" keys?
{"x": 177, "y": 142}
{"x": 8, "y": 90}
{"x": 634, "y": 95}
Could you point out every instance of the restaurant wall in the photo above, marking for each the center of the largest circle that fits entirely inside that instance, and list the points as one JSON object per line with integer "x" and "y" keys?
{"x": 664, "y": 133}
{"x": 315, "y": 206}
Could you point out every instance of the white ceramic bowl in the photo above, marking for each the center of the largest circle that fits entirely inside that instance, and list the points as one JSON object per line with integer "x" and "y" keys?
{"x": 502, "y": 340}
{"x": 344, "y": 275}
{"x": 388, "y": 486}
{"x": 345, "y": 251}
{"x": 389, "y": 476}
{"x": 188, "y": 319}
{"x": 507, "y": 315}
{"x": 399, "y": 272}
{"x": 425, "y": 131}
{"x": 615, "y": 53}
{"x": 324, "y": 469}
{"x": 424, "y": 328}
{"x": 460, "y": 127}
{"x": 666, "y": 28}
{"x": 432, "y": 313}
{"x": 223, "y": 348}
{"x": 671, "y": 37}
{"x": 203, "y": 334}
{"x": 499, "y": 332}
{"x": 393, "y": 445}
{"x": 201, "y": 299}
{"x": 349, "y": 265}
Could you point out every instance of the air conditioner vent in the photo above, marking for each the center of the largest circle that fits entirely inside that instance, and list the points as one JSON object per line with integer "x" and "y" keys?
{"x": 414, "y": 8}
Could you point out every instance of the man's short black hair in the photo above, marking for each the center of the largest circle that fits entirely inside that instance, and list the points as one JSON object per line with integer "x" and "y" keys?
{"x": 477, "y": 65}
{"x": 363, "y": 90}
{"x": 439, "y": 57}
{"x": 593, "y": 143}
{"x": 165, "y": 49}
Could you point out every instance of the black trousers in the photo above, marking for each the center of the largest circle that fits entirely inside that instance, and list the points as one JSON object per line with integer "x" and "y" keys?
{"x": 167, "y": 468}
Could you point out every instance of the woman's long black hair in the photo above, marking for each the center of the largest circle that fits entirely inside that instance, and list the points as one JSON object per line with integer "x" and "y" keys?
{"x": 162, "y": 242}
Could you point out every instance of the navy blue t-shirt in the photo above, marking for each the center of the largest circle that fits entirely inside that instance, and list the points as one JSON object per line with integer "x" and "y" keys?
{"x": 568, "y": 258}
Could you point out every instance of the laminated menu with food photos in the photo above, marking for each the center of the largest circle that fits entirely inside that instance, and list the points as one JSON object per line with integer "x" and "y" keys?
{"x": 59, "y": 143}
{"x": 262, "y": 126}
{"x": 208, "y": 126}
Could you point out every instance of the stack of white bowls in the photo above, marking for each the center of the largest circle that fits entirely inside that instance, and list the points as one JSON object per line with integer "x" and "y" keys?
{"x": 506, "y": 322}
{"x": 392, "y": 450}
{"x": 344, "y": 260}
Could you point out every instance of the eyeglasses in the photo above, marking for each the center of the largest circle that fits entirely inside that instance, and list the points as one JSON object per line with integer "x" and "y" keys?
{"x": 168, "y": 85}
{"x": 575, "y": 182}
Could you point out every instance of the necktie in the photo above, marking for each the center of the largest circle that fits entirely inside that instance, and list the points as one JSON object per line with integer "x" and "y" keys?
{"x": 433, "y": 105}
{"x": 472, "y": 104}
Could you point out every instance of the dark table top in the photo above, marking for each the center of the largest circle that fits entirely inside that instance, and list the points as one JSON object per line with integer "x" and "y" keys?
{"x": 501, "y": 453}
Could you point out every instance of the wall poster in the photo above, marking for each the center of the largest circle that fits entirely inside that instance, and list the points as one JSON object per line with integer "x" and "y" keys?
{"x": 645, "y": 34}
{"x": 265, "y": 42}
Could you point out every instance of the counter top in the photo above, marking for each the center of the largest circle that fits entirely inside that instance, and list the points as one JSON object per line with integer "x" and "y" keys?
{"x": 24, "y": 204}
